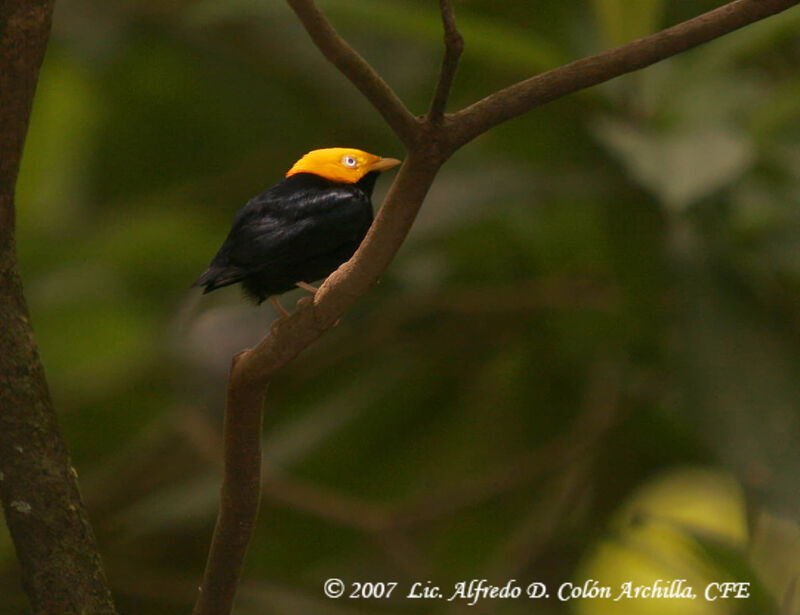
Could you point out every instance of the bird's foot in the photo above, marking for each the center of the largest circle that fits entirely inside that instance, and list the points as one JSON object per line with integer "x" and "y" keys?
{"x": 306, "y": 286}
{"x": 279, "y": 307}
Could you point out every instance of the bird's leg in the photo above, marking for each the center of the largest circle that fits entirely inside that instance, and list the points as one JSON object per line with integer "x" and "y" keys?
{"x": 306, "y": 286}
{"x": 313, "y": 290}
{"x": 274, "y": 301}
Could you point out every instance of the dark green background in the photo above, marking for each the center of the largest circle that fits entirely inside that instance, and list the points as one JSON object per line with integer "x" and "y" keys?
{"x": 591, "y": 337}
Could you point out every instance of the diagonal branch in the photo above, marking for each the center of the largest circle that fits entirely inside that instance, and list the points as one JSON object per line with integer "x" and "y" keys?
{"x": 252, "y": 370}
{"x": 343, "y": 287}
{"x": 554, "y": 84}
{"x": 453, "y": 47}
{"x": 357, "y": 70}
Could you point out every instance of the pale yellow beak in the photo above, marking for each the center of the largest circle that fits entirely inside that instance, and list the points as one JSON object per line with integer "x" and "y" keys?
{"x": 384, "y": 163}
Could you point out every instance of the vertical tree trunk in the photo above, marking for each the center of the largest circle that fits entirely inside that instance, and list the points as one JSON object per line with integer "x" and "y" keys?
{"x": 61, "y": 568}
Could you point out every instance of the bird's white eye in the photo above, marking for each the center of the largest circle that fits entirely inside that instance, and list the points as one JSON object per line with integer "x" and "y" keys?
{"x": 349, "y": 161}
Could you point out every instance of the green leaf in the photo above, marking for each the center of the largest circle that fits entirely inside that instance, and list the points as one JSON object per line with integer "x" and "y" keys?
{"x": 678, "y": 167}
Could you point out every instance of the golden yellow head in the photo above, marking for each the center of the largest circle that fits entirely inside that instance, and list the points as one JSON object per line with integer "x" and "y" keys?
{"x": 341, "y": 164}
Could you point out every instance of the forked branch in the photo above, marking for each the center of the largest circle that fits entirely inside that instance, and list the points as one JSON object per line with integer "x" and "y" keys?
{"x": 429, "y": 143}
{"x": 357, "y": 70}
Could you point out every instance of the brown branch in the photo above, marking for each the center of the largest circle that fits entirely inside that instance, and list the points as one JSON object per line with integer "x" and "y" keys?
{"x": 554, "y": 84}
{"x": 453, "y": 47}
{"x": 357, "y": 70}
{"x": 343, "y": 287}
{"x": 240, "y": 497}
{"x": 253, "y": 368}
{"x": 429, "y": 144}
{"x": 60, "y": 565}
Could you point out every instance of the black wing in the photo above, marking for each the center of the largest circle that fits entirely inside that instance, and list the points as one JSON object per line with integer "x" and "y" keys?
{"x": 297, "y": 219}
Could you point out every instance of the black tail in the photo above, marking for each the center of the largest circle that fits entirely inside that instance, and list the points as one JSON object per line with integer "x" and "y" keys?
{"x": 214, "y": 278}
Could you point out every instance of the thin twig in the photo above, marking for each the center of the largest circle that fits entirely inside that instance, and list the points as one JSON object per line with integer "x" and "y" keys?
{"x": 538, "y": 530}
{"x": 591, "y": 425}
{"x": 453, "y": 47}
{"x": 336, "y": 508}
{"x": 534, "y": 534}
{"x": 357, "y": 70}
{"x": 601, "y": 405}
{"x": 554, "y": 84}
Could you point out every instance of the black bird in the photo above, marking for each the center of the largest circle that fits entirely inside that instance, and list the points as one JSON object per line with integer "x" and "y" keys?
{"x": 302, "y": 228}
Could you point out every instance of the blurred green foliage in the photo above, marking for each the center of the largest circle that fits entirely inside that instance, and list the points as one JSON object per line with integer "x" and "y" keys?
{"x": 596, "y": 296}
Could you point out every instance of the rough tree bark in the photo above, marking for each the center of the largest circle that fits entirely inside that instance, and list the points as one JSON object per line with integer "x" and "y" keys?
{"x": 61, "y": 569}
{"x": 430, "y": 140}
